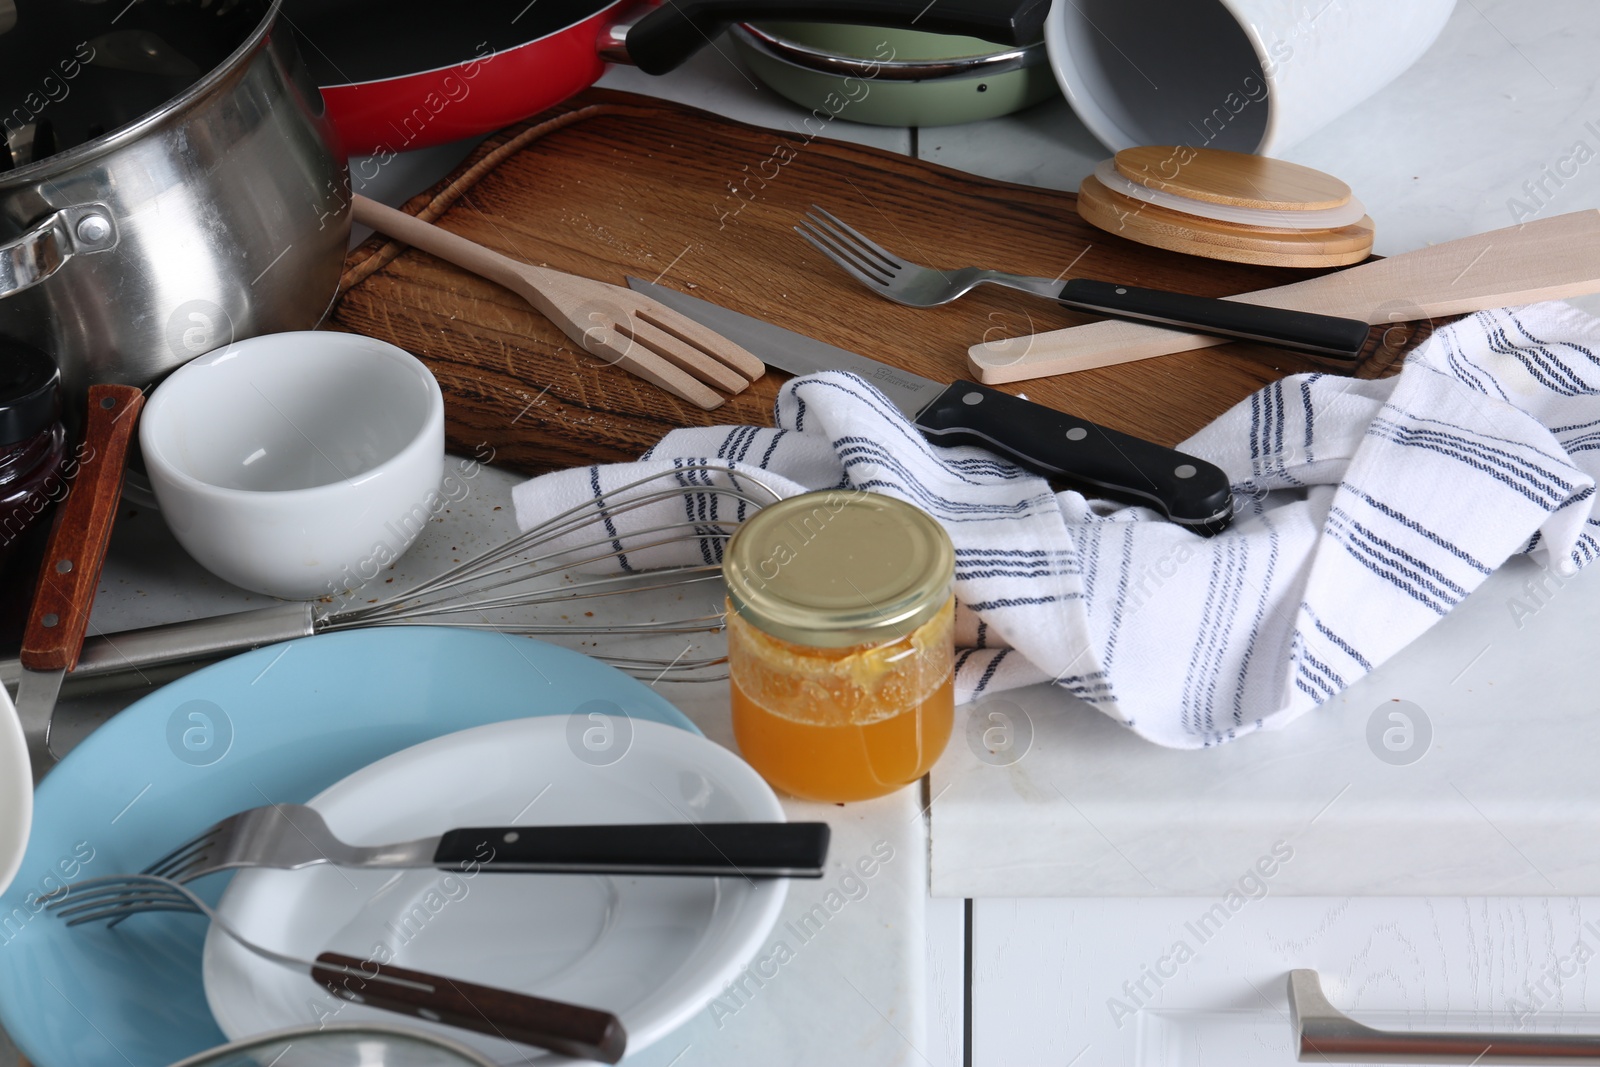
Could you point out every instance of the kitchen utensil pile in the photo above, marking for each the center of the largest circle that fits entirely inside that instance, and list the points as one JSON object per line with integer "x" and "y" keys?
{"x": 389, "y": 748}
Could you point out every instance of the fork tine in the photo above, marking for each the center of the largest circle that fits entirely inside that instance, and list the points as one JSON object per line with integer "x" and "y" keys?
{"x": 183, "y": 854}
{"x": 841, "y": 247}
{"x": 191, "y": 859}
{"x": 876, "y": 284}
{"x": 121, "y": 907}
{"x": 113, "y": 898}
{"x": 706, "y": 340}
{"x": 861, "y": 239}
{"x": 686, "y": 357}
{"x": 99, "y": 888}
{"x": 117, "y": 913}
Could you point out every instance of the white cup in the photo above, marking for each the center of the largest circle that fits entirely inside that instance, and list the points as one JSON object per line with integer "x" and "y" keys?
{"x": 1244, "y": 75}
{"x": 297, "y": 464}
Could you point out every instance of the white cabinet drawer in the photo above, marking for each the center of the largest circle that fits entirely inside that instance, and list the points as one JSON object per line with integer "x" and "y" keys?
{"x": 1190, "y": 981}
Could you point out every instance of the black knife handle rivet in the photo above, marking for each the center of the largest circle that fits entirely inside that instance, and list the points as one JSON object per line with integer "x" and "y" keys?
{"x": 1077, "y": 433}
{"x": 511, "y": 837}
{"x": 972, "y": 398}
{"x": 1185, "y": 470}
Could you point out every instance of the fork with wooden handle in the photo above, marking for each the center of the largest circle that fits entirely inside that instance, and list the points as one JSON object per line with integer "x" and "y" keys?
{"x": 610, "y": 322}
{"x": 1550, "y": 259}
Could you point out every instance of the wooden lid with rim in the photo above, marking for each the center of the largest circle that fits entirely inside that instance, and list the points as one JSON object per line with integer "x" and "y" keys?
{"x": 1160, "y": 228}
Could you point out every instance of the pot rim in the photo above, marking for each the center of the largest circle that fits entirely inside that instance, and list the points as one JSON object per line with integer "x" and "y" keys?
{"x": 1002, "y": 60}
{"x": 132, "y": 131}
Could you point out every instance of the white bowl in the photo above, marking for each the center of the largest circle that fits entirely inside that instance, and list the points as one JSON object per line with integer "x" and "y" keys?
{"x": 297, "y": 464}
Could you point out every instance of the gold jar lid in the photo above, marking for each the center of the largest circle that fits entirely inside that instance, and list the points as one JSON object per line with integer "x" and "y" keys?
{"x": 839, "y": 567}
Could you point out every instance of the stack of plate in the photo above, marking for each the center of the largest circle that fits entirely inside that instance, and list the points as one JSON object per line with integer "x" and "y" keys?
{"x": 391, "y": 734}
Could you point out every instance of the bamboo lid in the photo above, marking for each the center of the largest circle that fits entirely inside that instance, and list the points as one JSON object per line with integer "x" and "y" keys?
{"x": 1234, "y": 178}
{"x": 1245, "y": 209}
{"x": 1161, "y": 228}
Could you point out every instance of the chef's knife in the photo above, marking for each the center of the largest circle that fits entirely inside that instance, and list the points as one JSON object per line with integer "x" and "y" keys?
{"x": 59, "y": 616}
{"x": 1189, "y": 491}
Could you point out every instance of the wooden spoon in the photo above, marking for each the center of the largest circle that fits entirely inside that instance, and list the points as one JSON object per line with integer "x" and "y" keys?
{"x": 616, "y": 324}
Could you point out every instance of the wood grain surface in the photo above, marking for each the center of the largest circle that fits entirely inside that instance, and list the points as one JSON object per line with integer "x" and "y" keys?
{"x": 1232, "y": 178}
{"x": 632, "y": 185}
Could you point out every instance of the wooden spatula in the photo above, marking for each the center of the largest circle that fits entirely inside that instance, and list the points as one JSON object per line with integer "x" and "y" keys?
{"x": 1550, "y": 259}
{"x": 615, "y": 324}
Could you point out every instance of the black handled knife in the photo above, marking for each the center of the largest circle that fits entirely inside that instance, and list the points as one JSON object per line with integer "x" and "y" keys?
{"x": 1302, "y": 331}
{"x": 1188, "y": 490}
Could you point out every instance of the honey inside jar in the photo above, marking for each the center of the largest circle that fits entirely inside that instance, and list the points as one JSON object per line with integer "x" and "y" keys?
{"x": 842, "y": 723}
{"x": 840, "y": 643}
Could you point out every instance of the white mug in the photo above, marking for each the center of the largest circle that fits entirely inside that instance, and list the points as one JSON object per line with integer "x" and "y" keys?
{"x": 1243, "y": 75}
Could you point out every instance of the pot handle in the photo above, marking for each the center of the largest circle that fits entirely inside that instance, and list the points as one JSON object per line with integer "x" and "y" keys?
{"x": 45, "y": 247}
{"x": 669, "y": 35}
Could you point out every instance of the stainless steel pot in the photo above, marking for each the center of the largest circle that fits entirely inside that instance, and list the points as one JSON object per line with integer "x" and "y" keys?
{"x": 223, "y": 213}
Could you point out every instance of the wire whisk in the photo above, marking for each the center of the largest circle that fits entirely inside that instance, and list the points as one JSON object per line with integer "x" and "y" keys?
{"x": 627, "y": 541}
{"x": 516, "y": 575}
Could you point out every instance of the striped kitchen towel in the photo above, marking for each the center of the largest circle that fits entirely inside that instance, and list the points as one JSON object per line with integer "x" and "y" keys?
{"x": 1366, "y": 511}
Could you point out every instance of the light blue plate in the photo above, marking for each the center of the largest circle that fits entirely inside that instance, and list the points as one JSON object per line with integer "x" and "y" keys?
{"x": 279, "y": 724}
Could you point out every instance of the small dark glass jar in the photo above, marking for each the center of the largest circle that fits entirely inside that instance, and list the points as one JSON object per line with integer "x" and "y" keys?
{"x": 33, "y": 444}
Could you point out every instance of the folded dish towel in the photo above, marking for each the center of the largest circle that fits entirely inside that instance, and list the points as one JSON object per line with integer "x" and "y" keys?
{"x": 1366, "y": 511}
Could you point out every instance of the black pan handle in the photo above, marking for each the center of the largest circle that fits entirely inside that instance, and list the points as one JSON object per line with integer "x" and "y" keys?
{"x": 1303, "y": 331}
{"x": 668, "y": 36}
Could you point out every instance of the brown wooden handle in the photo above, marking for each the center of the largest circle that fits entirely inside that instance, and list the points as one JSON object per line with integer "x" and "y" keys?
{"x": 76, "y": 550}
{"x": 450, "y": 247}
{"x": 569, "y": 1029}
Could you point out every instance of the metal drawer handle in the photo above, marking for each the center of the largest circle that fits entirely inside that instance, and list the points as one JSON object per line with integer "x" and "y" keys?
{"x": 1324, "y": 1034}
{"x": 46, "y": 246}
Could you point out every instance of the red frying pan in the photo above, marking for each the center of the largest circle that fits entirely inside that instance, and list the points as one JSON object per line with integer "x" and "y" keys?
{"x": 403, "y": 74}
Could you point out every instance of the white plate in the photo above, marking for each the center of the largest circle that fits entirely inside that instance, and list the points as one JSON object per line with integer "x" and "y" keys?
{"x": 652, "y": 950}
{"x": 16, "y": 791}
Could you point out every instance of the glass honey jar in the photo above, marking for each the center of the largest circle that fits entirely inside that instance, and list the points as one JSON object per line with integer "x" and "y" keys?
{"x": 841, "y": 643}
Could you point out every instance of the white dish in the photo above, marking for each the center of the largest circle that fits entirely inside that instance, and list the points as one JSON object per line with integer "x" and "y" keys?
{"x": 652, "y": 950}
{"x": 16, "y": 791}
{"x": 297, "y": 464}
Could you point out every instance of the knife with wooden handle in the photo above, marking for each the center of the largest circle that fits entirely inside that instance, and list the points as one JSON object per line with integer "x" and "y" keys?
{"x": 70, "y": 573}
{"x": 1549, "y": 259}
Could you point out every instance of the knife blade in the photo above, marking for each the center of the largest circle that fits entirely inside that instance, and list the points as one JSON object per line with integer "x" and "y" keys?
{"x": 1188, "y": 490}
{"x": 70, "y": 572}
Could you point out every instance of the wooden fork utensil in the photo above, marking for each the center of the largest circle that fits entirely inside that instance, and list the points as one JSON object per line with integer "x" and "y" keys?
{"x": 609, "y": 322}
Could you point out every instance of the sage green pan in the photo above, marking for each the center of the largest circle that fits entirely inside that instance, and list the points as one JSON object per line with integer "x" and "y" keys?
{"x": 921, "y": 79}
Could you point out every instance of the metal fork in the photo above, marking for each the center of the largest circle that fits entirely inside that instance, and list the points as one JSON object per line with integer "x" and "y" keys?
{"x": 289, "y": 836}
{"x": 566, "y": 1028}
{"x": 899, "y": 279}
{"x": 914, "y": 285}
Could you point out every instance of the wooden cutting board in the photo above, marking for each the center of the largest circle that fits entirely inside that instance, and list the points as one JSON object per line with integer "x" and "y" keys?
{"x": 613, "y": 184}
